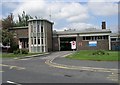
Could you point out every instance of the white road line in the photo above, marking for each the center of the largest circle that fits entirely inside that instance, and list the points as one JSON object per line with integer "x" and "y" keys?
{"x": 11, "y": 82}
{"x": 13, "y": 67}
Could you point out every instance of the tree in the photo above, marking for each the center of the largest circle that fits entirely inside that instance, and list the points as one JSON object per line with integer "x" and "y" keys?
{"x": 8, "y": 22}
{"x": 23, "y": 19}
{"x": 7, "y": 37}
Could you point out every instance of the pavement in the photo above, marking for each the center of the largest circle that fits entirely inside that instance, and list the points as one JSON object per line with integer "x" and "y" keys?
{"x": 31, "y": 56}
{"x": 54, "y": 68}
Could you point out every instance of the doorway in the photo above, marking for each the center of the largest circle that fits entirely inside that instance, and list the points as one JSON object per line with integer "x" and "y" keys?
{"x": 65, "y": 44}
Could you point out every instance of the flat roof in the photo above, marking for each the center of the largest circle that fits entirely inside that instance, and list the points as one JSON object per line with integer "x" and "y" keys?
{"x": 40, "y": 20}
{"x": 86, "y": 31}
{"x": 115, "y": 35}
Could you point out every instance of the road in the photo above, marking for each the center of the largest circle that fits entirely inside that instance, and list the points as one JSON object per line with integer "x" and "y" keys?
{"x": 35, "y": 70}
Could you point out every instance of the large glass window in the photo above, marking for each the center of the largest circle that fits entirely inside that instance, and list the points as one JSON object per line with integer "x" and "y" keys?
{"x": 31, "y": 40}
{"x": 31, "y": 28}
{"x": 34, "y": 40}
{"x": 41, "y": 29}
{"x": 38, "y": 29}
{"x": 38, "y": 41}
{"x": 42, "y": 35}
{"x": 42, "y": 48}
{"x": 34, "y": 28}
{"x": 42, "y": 41}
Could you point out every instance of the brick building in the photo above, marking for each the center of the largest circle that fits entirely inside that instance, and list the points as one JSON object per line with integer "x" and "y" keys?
{"x": 20, "y": 35}
{"x": 39, "y": 36}
{"x": 84, "y": 38}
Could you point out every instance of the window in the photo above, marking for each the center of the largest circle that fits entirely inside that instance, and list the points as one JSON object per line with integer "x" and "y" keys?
{"x": 92, "y": 38}
{"x": 34, "y": 28}
{"x": 34, "y": 40}
{"x": 105, "y": 37}
{"x": 83, "y": 37}
{"x": 42, "y": 48}
{"x": 113, "y": 39}
{"x": 88, "y": 38}
{"x": 31, "y": 40}
{"x": 41, "y": 29}
{"x": 99, "y": 37}
{"x": 38, "y": 41}
{"x": 42, "y": 35}
{"x": 38, "y": 29}
{"x": 42, "y": 40}
{"x": 31, "y": 28}
{"x": 95, "y": 37}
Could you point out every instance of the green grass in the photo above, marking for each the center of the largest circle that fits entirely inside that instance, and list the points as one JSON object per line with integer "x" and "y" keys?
{"x": 88, "y": 55}
{"x": 11, "y": 55}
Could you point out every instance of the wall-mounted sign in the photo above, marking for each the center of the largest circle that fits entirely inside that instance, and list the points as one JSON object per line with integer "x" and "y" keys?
{"x": 73, "y": 44}
{"x": 92, "y": 43}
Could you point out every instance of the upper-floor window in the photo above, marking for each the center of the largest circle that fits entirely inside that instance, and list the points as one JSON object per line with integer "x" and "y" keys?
{"x": 34, "y": 28}
{"x": 34, "y": 40}
{"x": 38, "y": 29}
{"x": 38, "y": 41}
{"x": 42, "y": 29}
{"x": 31, "y": 28}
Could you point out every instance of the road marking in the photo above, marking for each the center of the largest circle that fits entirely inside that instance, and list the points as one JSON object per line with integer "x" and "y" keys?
{"x": 112, "y": 77}
{"x": 13, "y": 67}
{"x": 11, "y": 82}
{"x": 93, "y": 69}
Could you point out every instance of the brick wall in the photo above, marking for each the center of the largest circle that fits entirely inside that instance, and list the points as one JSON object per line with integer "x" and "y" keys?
{"x": 55, "y": 44}
{"x": 84, "y": 45}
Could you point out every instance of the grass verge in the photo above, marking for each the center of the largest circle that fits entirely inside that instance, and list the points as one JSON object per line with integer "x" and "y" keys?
{"x": 12, "y": 55}
{"x": 88, "y": 55}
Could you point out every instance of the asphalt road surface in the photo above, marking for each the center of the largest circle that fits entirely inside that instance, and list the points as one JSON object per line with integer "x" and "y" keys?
{"x": 35, "y": 70}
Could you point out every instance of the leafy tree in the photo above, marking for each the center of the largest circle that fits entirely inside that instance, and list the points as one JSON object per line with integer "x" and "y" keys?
{"x": 6, "y": 36}
{"x": 23, "y": 19}
{"x": 8, "y": 22}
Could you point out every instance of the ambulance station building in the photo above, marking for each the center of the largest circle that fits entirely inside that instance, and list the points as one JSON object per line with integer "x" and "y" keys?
{"x": 39, "y": 36}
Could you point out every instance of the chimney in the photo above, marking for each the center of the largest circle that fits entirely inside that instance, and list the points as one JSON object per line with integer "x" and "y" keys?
{"x": 103, "y": 25}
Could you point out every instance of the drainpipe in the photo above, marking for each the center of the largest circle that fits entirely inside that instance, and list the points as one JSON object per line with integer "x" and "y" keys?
{"x": 109, "y": 42}
{"x": 59, "y": 42}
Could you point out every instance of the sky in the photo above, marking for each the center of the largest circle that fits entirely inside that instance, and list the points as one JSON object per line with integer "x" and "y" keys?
{"x": 66, "y": 14}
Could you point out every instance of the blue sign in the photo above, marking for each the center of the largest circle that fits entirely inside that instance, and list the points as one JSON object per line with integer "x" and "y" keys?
{"x": 93, "y": 43}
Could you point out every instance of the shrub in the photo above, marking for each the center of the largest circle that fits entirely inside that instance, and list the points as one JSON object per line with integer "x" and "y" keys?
{"x": 99, "y": 52}
{"x": 22, "y": 51}
{"x": 16, "y": 51}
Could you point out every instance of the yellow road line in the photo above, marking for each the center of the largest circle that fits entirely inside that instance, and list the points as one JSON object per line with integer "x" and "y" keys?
{"x": 50, "y": 63}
